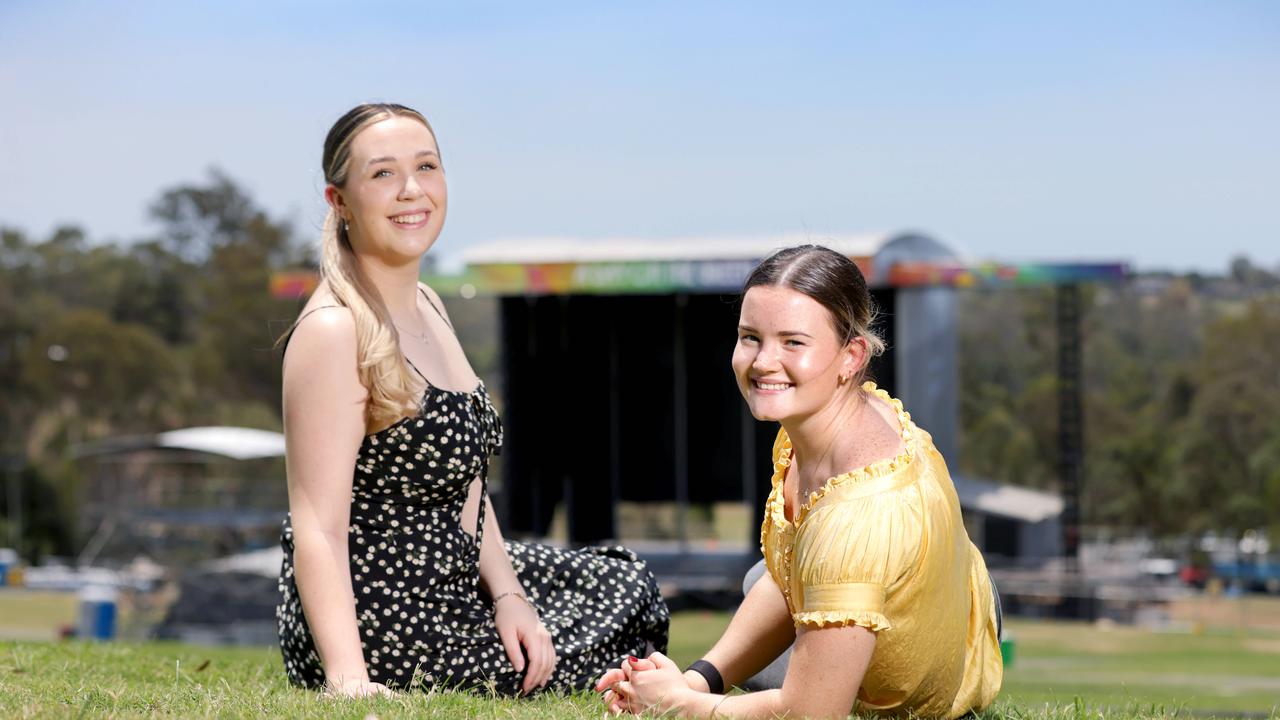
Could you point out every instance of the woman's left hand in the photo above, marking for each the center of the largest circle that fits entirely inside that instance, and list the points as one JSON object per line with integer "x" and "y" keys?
{"x": 523, "y": 635}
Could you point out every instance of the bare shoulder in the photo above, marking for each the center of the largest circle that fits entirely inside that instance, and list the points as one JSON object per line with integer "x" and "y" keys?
{"x": 325, "y": 326}
{"x": 323, "y": 345}
{"x": 879, "y": 432}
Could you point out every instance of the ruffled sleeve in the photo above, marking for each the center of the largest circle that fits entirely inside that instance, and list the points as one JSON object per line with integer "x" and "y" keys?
{"x": 850, "y": 553}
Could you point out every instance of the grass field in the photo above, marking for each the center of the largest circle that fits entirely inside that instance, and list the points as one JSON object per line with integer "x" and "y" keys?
{"x": 1115, "y": 673}
{"x": 1221, "y": 670}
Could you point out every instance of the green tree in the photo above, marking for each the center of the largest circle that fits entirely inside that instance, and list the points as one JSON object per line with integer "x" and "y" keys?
{"x": 236, "y": 320}
{"x": 91, "y": 377}
{"x": 156, "y": 290}
{"x": 1230, "y": 431}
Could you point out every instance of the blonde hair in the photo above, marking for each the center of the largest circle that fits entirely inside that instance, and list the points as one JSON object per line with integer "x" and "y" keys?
{"x": 394, "y": 392}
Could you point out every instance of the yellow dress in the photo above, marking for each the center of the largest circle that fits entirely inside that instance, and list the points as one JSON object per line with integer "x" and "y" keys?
{"x": 884, "y": 547}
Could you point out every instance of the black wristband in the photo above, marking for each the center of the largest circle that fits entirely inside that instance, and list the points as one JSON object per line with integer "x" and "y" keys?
{"x": 715, "y": 683}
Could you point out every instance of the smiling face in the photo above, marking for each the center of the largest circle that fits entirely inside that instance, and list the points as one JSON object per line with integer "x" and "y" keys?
{"x": 394, "y": 195}
{"x": 788, "y": 360}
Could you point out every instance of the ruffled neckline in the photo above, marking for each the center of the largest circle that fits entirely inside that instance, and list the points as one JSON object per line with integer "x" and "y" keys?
{"x": 877, "y": 469}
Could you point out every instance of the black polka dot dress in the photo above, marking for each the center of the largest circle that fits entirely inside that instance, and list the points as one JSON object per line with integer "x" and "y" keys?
{"x": 424, "y": 620}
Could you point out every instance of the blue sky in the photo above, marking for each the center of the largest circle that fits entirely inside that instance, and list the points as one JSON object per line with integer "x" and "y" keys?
{"x": 1135, "y": 131}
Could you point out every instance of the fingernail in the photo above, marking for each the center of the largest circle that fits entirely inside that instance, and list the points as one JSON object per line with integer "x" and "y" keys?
{"x": 633, "y": 658}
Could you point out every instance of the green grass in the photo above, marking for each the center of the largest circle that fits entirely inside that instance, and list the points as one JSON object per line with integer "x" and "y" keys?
{"x": 77, "y": 679}
{"x": 1223, "y": 670}
{"x": 1120, "y": 673}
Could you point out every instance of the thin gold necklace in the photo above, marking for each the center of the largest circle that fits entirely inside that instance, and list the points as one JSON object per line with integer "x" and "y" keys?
{"x": 411, "y": 333}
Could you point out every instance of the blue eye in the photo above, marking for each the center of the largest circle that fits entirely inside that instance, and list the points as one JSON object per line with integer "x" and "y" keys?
{"x": 382, "y": 173}
{"x": 427, "y": 166}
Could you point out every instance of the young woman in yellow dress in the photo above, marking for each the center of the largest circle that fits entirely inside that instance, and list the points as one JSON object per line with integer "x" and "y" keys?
{"x": 872, "y": 579}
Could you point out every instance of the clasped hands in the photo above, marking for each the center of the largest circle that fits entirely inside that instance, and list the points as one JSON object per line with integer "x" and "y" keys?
{"x": 652, "y": 683}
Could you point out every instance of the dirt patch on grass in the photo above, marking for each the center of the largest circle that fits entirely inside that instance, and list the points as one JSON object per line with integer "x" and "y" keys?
{"x": 1270, "y": 646}
{"x": 35, "y": 614}
{"x": 1255, "y": 612}
{"x": 1075, "y": 636}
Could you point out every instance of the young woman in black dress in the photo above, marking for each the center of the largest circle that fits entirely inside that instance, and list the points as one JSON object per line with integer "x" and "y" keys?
{"x": 395, "y": 572}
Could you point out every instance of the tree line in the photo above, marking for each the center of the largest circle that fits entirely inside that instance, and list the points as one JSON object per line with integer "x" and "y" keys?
{"x": 1182, "y": 388}
{"x": 177, "y": 330}
{"x": 105, "y": 339}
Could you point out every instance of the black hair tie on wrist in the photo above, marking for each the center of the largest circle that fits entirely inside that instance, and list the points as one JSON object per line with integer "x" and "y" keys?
{"x": 715, "y": 683}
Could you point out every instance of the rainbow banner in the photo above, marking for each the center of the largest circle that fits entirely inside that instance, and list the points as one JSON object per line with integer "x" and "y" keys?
{"x": 727, "y": 276}
{"x": 715, "y": 276}
{"x": 291, "y": 284}
{"x": 997, "y": 275}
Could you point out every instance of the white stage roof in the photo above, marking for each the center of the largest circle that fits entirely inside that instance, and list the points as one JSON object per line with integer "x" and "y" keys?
{"x": 538, "y": 250}
{"x": 233, "y": 442}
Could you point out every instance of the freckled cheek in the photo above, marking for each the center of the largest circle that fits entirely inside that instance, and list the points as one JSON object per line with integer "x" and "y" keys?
{"x": 805, "y": 367}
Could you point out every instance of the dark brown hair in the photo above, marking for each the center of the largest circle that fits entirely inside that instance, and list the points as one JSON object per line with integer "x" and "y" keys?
{"x": 831, "y": 279}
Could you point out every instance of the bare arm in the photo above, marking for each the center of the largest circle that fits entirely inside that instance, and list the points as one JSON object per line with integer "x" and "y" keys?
{"x": 324, "y": 426}
{"x": 826, "y": 670}
{"x": 759, "y": 632}
{"x": 496, "y": 574}
{"x": 519, "y": 627}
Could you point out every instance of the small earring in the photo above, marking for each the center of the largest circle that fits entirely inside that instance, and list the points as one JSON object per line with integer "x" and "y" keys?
{"x": 346, "y": 226}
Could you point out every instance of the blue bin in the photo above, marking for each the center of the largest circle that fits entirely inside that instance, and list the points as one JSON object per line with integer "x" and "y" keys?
{"x": 98, "y": 612}
{"x": 8, "y": 559}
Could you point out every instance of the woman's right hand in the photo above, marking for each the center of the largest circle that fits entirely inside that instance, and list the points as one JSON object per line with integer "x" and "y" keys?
{"x": 355, "y": 688}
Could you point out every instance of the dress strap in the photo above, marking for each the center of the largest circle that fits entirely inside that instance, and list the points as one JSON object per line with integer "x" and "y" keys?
{"x": 289, "y": 336}
{"x": 484, "y": 471}
{"x": 484, "y": 494}
{"x": 436, "y": 308}
{"x": 305, "y": 314}
{"x": 427, "y": 297}
{"x": 415, "y": 369}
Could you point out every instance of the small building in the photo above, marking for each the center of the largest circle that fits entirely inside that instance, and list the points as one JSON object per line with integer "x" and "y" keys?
{"x": 1013, "y": 525}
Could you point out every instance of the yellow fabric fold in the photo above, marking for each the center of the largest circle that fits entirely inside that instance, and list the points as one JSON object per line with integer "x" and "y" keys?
{"x": 844, "y": 596}
{"x": 843, "y": 604}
